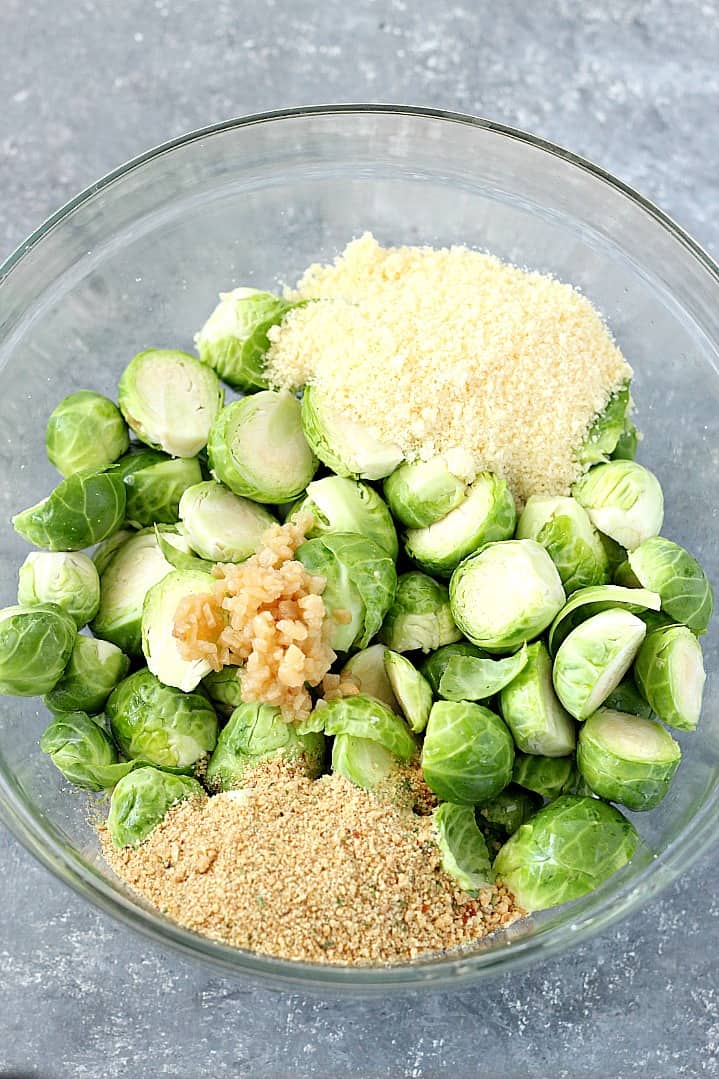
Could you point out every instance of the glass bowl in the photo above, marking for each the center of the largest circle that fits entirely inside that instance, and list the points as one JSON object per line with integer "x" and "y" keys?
{"x": 137, "y": 261}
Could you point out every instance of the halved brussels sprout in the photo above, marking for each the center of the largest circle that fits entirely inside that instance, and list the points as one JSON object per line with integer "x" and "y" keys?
{"x": 411, "y": 689}
{"x": 664, "y": 567}
{"x": 365, "y": 762}
{"x": 159, "y": 724}
{"x": 531, "y": 710}
{"x": 627, "y": 759}
{"x": 35, "y": 646}
{"x": 487, "y": 514}
{"x": 85, "y": 433}
{"x": 462, "y": 847}
{"x": 256, "y": 732}
{"x": 468, "y": 678}
{"x": 141, "y": 800}
{"x": 420, "y": 616}
{"x": 565, "y": 851}
{"x": 344, "y": 445}
{"x": 104, "y": 553}
{"x": 84, "y": 752}
{"x": 234, "y": 341}
{"x": 587, "y": 602}
{"x": 67, "y": 578}
{"x": 669, "y": 670}
{"x": 594, "y": 658}
{"x": 563, "y": 528}
{"x": 154, "y": 485}
{"x": 94, "y": 669}
{"x": 547, "y": 776}
{"x": 506, "y": 812}
{"x": 627, "y": 698}
{"x": 221, "y": 526}
{"x": 467, "y": 754}
{"x": 505, "y": 594}
{"x": 607, "y": 429}
{"x": 257, "y": 449}
{"x": 421, "y": 493}
{"x": 623, "y": 500}
{"x": 367, "y": 670}
{"x": 435, "y": 665}
{"x": 82, "y": 510}
{"x": 224, "y": 688}
{"x": 342, "y": 505}
{"x": 170, "y": 400}
{"x": 159, "y": 644}
{"x": 366, "y": 717}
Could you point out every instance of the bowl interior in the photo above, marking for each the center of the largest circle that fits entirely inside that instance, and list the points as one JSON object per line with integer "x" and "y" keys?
{"x": 138, "y": 262}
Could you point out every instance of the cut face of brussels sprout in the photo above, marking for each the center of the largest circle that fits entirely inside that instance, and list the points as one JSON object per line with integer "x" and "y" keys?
{"x": 363, "y": 761}
{"x": 365, "y": 717}
{"x": 594, "y": 658}
{"x": 587, "y": 602}
{"x": 345, "y": 446}
{"x": 486, "y": 514}
{"x": 81, "y": 511}
{"x": 94, "y": 669}
{"x": 462, "y": 847}
{"x": 669, "y": 670}
{"x": 85, "y": 433}
{"x": 435, "y": 665}
{"x": 256, "y": 732}
{"x": 423, "y": 492}
{"x": 156, "y": 723}
{"x": 623, "y": 500}
{"x": 221, "y": 526}
{"x": 563, "y": 528}
{"x": 546, "y": 776}
{"x": 509, "y": 810}
{"x": 159, "y": 645}
{"x": 506, "y": 594}
{"x": 69, "y": 579}
{"x": 257, "y": 449}
{"x": 411, "y": 689}
{"x": 666, "y": 568}
{"x": 154, "y": 485}
{"x": 367, "y": 670}
{"x": 627, "y": 759}
{"x": 606, "y": 430}
{"x": 83, "y": 752}
{"x": 468, "y": 753}
{"x": 627, "y": 698}
{"x": 234, "y": 339}
{"x": 420, "y": 616}
{"x": 361, "y": 581}
{"x": 531, "y": 710}
{"x": 104, "y": 553}
{"x": 565, "y": 851}
{"x": 342, "y": 505}
{"x": 467, "y": 678}
{"x": 224, "y": 688}
{"x": 35, "y": 645}
{"x": 140, "y": 801}
{"x": 170, "y": 400}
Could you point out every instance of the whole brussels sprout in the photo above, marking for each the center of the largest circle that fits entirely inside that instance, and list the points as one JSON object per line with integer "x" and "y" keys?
{"x": 85, "y": 433}
{"x": 94, "y": 669}
{"x": 531, "y": 710}
{"x": 510, "y": 809}
{"x": 623, "y": 500}
{"x": 420, "y": 616}
{"x": 344, "y": 445}
{"x": 563, "y": 528}
{"x": 256, "y": 732}
{"x": 410, "y": 688}
{"x": 669, "y": 670}
{"x": 67, "y": 578}
{"x": 159, "y": 644}
{"x": 82, "y": 510}
{"x": 154, "y": 485}
{"x": 35, "y": 645}
{"x": 462, "y": 847}
{"x": 421, "y": 493}
{"x": 467, "y": 754}
{"x": 627, "y": 759}
{"x": 664, "y": 567}
{"x": 607, "y": 429}
{"x": 594, "y": 658}
{"x": 83, "y": 752}
{"x": 141, "y": 800}
{"x": 338, "y": 504}
{"x": 221, "y": 526}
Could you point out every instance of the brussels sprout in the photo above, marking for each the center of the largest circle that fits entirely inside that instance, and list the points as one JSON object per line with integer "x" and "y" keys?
{"x": 94, "y": 669}
{"x": 623, "y": 500}
{"x": 177, "y": 552}
{"x": 626, "y": 447}
{"x": 159, "y": 644}
{"x": 615, "y": 554}
{"x": 468, "y": 753}
{"x": 594, "y": 658}
{"x": 345, "y": 446}
{"x": 104, "y": 553}
{"x": 363, "y": 761}
{"x": 367, "y": 670}
{"x": 81, "y": 511}
{"x": 563, "y": 528}
{"x": 154, "y": 485}
{"x": 486, "y": 514}
{"x": 221, "y": 526}
{"x": 420, "y": 616}
{"x": 361, "y": 581}
{"x": 411, "y": 689}
{"x": 463, "y": 850}
{"x": 627, "y": 759}
{"x": 35, "y": 645}
{"x": 69, "y": 579}
{"x": 255, "y": 732}
{"x": 170, "y": 400}
{"x": 669, "y": 670}
{"x": 664, "y": 567}
{"x": 342, "y": 505}
{"x": 141, "y": 800}
{"x": 587, "y": 602}
{"x": 627, "y": 698}
{"x": 85, "y": 433}
{"x": 234, "y": 341}
{"x": 607, "y": 429}
{"x": 423, "y": 492}
{"x": 435, "y": 665}
{"x": 505, "y": 594}
{"x": 511, "y": 808}
{"x": 84, "y": 752}
{"x": 159, "y": 724}
{"x": 224, "y": 688}
{"x": 468, "y": 678}
{"x": 565, "y": 851}
{"x": 531, "y": 710}
{"x": 366, "y": 717}
{"x": 257, "y": 448}
{"x": 547, "y": 776}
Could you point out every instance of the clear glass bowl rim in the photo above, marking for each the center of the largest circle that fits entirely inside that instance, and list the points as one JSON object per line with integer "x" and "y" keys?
{"x": 444, "y": 972}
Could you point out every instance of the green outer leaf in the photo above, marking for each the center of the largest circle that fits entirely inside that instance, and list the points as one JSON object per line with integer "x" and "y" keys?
{"x": 339, "y": 504}
{"x": 511, "y": 808}
{"x": 664, "y": 567}
{"x": 85, "y": 433}
{"x": 627, "y": 698}
{"x": 238, "y": 355}
{"x": 629, "y": 775}
{"x": 462, "y": 847}
{"x": 363, "y": 761}
{"x": 140, "y": 801}
{"x": 469, "y": 679}
{"x": 82, "y": 510}
{"x": 94, "y": 669}
{"x": 420, "y": 616}
{"x": 548, "y": 776}
{"x": 411, "y": 689}
{"x": 673, "y": 691}
{"x": 594, "y": 658}
{"x": 155, "y": 484}
{"x": 83, "y": 752}
{"x": 531, "y": 710}
{"x": 607, "y": 429}
{"x": 365, "y": 717}
{"x": 35, "y": 645}
{"x": 587, "y": 602}
{"x": 435, "y": 664}
{"x": 626, "y": 447}
{"x": 179, "y": 559}
{"x": 467, "y": 754}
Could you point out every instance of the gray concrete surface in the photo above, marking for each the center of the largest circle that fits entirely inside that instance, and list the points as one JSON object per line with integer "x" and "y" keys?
{"x": 83, "y": 86}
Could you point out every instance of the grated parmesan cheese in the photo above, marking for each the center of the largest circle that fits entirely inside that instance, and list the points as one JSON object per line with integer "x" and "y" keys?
{"x": 440, "y": 349}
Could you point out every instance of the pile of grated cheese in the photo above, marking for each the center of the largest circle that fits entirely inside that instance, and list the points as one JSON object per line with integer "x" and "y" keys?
{"x": 439, "y": 349}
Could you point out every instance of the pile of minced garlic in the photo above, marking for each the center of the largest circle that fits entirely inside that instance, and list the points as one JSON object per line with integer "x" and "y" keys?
{"x": 314, "y": 870}
{"x": 435, "y": 349}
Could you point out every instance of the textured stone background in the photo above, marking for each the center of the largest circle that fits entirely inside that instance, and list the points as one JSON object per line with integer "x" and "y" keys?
{"x": 85, "y": 85}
